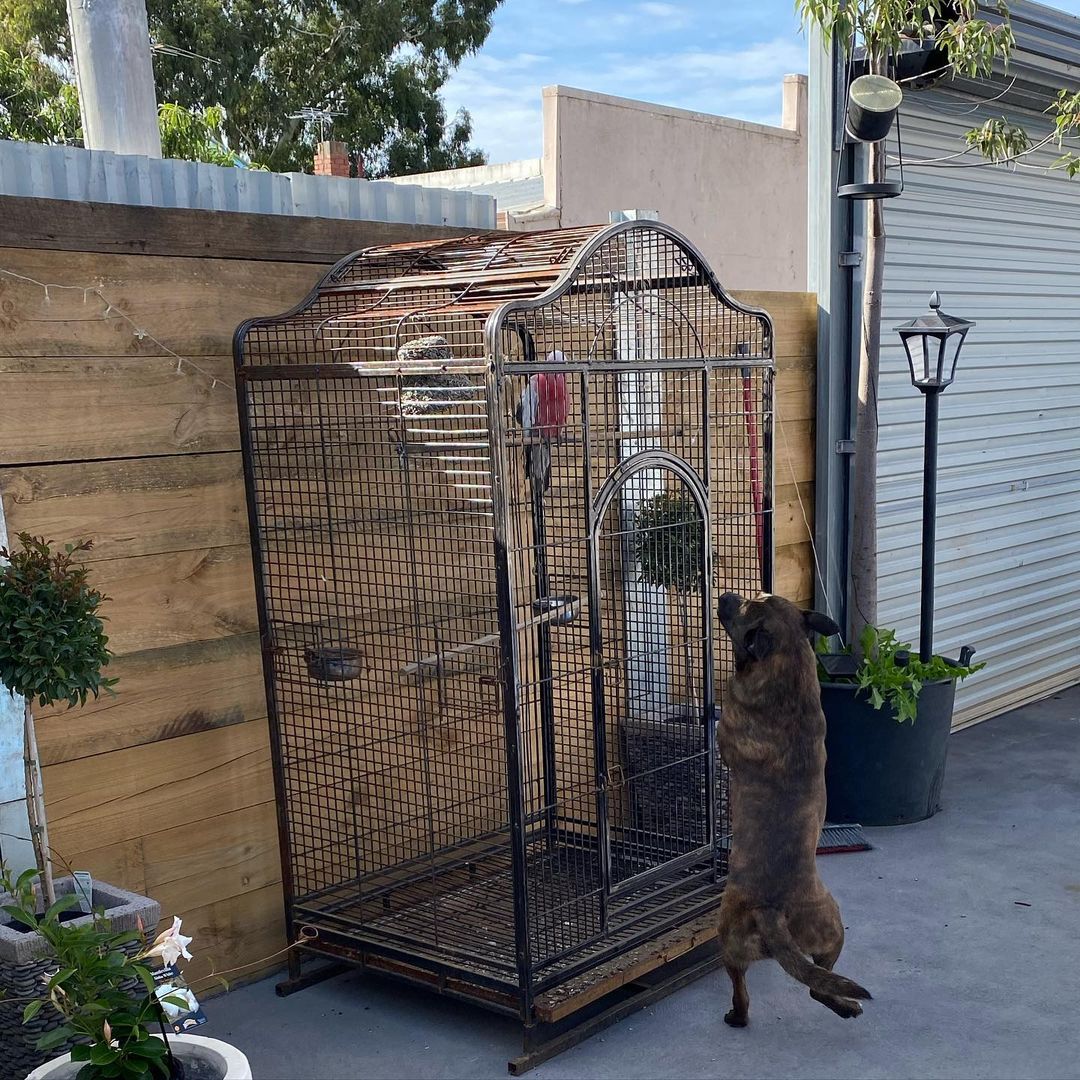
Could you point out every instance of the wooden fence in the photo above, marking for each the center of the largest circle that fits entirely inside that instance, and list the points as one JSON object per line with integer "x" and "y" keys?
{"x": 118, "y": 423}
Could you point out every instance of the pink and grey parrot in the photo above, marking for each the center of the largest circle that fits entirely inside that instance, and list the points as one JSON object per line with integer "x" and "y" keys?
{"x": 542, "y": 413}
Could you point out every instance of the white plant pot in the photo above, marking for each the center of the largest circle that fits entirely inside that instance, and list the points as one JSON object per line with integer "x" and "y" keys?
{"x": 230, "y": 1062}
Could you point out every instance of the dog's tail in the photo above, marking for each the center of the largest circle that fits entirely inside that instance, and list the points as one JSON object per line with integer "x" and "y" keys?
{"x": 777, "y": 936}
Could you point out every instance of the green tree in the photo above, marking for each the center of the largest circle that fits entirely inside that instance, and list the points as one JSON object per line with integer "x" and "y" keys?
{"x": 380, "y": 64}
{"x": 196, "y": 135}
{"x": 973, "y": 46}
{"x": 53, "y": 648}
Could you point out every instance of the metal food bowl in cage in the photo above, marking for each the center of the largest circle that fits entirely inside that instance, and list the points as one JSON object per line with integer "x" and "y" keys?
{"x": 428, "y": 393}
{"x": 557, "y": 610}
{"x": 338, "y": 664}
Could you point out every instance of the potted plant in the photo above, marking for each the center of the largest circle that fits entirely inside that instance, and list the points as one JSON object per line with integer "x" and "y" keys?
{"x": 107, "y": 1000}
{"x": 663, "y": 747}
{"x": 888, "y": 715}
{"x": 53, "y": 648}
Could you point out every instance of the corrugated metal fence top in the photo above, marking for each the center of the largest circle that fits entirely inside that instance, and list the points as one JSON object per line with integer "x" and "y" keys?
{"x": 67, "y": 172}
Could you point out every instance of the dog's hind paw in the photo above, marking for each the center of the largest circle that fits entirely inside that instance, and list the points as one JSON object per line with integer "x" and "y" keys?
{"x": 736, "y": 1019}
{"x": 847, "y": 1008}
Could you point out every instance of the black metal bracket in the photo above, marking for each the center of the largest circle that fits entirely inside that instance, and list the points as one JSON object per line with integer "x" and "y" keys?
{"x": 312, "y": 977}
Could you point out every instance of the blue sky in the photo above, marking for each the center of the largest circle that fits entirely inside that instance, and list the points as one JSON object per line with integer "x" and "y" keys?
{"x": 719, "y": 56}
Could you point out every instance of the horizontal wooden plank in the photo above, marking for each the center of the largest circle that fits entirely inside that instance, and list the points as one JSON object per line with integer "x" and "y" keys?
{"x": 563, "y": 1001}
{"x": 794, "y": 316}
{"x": 86, "y": 408}
{"x": 193, "y": 306}
{"x": 176, "y": 598}
{"x": 118, "y": 864}
{"x": 190, "y": 306}
{"x": 126, "y": 794}
{"x": 235, "y": 940}
{"x": 70, "y": 225}
{"x": 145, "y": 506}
{"x": 186, "y": 868}
{"x": 227, "y": 856}
{"x": 162, "y": 694}
{"x": 795, "y": 453}
{"x": 794, "y": 575}
{"x": 795, "y": 394}
{"x": 789, "y": 524}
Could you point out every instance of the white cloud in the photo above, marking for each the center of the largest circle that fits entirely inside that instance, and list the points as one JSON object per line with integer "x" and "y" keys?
{"x": 670, "y": 12}
{"x": 730, "y": 65}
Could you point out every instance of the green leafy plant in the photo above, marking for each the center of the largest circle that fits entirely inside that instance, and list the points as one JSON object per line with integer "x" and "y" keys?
{"x": 891, "y": 673}
{"x": 197, "y": 135}
{"x": 669, "y": 542}
{"x": 669, "y": 546}
{"x": 53, "y": 648}
{"x": 102, "y": 989}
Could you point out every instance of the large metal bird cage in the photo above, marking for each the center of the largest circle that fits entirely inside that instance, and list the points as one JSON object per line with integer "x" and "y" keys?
{"x": 495, "y": 483}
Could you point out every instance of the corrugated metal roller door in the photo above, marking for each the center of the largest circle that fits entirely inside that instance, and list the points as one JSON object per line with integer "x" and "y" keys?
{"x": 1003, "y": 247}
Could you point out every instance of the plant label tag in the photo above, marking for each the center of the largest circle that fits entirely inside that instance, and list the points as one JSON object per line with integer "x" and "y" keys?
{"x": 181, "y": 1007}
{"x": 84, "y": 890}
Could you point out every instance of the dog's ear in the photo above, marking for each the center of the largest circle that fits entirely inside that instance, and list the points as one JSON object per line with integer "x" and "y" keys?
{"x": 816, "y": 623}
{"x": 758, "y": 643}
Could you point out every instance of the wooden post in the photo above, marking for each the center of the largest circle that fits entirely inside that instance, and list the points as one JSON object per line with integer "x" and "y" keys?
{"x": 35, "y": 804}
{"x": 110, "y": 48}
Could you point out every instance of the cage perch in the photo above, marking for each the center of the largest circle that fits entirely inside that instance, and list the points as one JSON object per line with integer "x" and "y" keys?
{"x": 431, "y": 665}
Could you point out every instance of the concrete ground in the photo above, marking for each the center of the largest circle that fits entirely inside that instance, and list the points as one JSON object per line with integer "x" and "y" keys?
{"x": 966, "y": 928}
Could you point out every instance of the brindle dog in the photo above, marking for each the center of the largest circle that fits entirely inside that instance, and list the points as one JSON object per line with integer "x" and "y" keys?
{"x": 772, "y": 737}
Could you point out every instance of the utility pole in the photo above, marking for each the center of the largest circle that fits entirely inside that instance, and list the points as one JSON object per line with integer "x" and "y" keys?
{"x": 110, "y": 44}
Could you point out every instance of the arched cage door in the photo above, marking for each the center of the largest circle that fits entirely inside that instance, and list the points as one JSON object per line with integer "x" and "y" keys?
{"x": 652, "y": 666}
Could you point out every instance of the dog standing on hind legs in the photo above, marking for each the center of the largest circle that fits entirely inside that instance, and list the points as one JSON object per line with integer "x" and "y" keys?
{"x": 771, "y": 735}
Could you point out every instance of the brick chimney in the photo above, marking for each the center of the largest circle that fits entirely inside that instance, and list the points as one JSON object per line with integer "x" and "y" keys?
{"x": 331, "y": 159}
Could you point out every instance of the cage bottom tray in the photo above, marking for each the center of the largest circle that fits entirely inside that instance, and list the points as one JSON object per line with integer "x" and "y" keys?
{"x": 462, "y": 914}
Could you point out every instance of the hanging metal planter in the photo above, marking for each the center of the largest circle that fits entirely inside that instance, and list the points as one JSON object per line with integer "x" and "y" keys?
{"x": 873, "y": 106}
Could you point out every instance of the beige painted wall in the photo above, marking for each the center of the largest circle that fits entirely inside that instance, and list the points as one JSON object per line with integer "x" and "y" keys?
{"x": 738, "y": 190}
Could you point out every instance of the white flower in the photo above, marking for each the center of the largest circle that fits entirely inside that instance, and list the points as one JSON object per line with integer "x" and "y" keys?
{"x": 170, "y": 945}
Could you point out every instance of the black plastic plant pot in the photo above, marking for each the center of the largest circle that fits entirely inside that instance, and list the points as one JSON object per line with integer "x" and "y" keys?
{"x": 879, "y": 771}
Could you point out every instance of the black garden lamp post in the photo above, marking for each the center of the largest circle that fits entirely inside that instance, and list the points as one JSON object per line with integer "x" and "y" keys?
{"x": 932, "y": 342}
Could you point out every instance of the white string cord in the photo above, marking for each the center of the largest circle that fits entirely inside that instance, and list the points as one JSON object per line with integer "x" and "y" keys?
{"x": 111, "y": 309}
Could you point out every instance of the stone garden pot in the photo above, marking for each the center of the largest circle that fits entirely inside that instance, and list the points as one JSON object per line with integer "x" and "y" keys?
{"x": 199, "y": 1058}
{"x": 25, "y": 959}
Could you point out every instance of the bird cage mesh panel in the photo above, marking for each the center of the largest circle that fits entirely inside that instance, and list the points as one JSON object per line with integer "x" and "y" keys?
{"x": 495, "y": 484}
